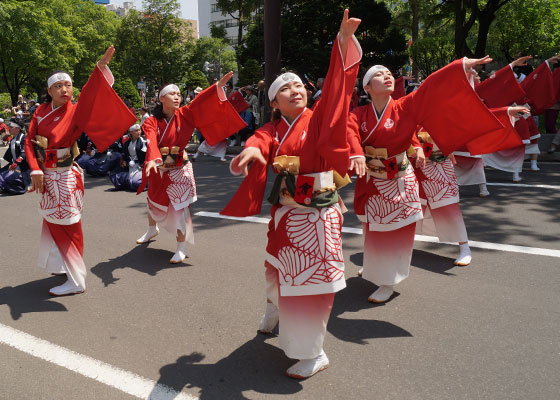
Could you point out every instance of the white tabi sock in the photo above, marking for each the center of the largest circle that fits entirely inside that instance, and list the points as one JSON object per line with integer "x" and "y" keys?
{"x": 465, "y": 257}
{"x": 307, "y": 368}
{"x": 483, "y": 190}
{"x": 151, "y": 233}
{"x": 180, "y": 254}
{"x": 67, "y": 288}
{"x": 269, "y": 319}
{"x": 516, "y": 177}
{"x": 534, "y": 166}
{"x": 382, "y": 294}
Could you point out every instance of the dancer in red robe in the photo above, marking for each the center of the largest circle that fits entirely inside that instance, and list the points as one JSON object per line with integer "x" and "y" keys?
{"x": 307, "y": 149}
{"x": 51, "y": 148}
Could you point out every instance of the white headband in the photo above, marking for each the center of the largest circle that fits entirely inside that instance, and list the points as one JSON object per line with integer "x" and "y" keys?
{"x": 14, "y": 125}
{"x": 60, "y": 76}
{"x": 167, "y": 89}
{"x": 371, "y": 71}
{"x": 134, "y": 127}
{"x": 281, "y": 81}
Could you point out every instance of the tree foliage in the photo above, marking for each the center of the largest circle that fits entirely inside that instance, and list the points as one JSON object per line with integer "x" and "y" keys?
{"x": 250, "y": 73}
{"x": 220, "y": 58}
{"x": 241, "y": 11}
{"x": 309, "y": 28}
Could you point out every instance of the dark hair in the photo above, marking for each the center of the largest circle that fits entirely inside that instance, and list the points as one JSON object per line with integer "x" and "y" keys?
{"x": 48, "y": 97}
{"x": 18, "y": 121}
{"x": 145, "y": 109}
{"x": 276, "y": 115}
{"x": 158, "y": 109}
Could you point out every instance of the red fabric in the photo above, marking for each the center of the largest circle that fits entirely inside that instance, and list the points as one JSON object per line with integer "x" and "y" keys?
{"x": 66, "y": 236}
{"x": 556, "y": 80}
{"x": 501, "y": 89}
{"x": 238, "y": 102}
{"x": 100, "y": 113}
{"x": 500, "y": 139}
{"x": 399, "y": 88}
{"x": 540, "y": 88}
{"x": 319, "y": 137}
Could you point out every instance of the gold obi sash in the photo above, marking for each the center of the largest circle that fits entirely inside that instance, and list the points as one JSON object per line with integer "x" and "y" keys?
{"x": 54, "y": 158}
{"x": 431, "y": 150}
{"x": 172, "y": 157}
{"x": 311, "y": 190}
{"x": 380, "y": 165}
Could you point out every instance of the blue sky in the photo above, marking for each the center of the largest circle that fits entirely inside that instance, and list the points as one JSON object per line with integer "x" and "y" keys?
{"x": 189, "y": 8}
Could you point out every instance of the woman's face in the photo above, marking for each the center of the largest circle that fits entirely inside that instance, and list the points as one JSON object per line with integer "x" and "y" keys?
{"x": 135, "y": 134}
{"x": 291, "y": 99}
{"x": 13, "y": 130}
{"x": 171, "y": 100}
{"x": 382, "y": 82}
{"x": 61, "y": 92}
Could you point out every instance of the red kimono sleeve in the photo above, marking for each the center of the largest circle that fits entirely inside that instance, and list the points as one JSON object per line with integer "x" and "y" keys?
{"x": 29, "y": 147}
{"x": 447, "y": 106}
{"x": 101, "y": 113}
{"x": 501, "y": 89}
{"x": 539, "y": 87}
{"x": 215, "y": 117}
{"x": 354, "y": 139}
{"x": 238, "y": 102}
{"x": 150, "y": 130}
{"x": 556, "y": 80}
{"x": 399, "y": 88}
{"x": 502, "y": 139}
{"x": 329, "y": 122}
{"x": 248, "y": 198}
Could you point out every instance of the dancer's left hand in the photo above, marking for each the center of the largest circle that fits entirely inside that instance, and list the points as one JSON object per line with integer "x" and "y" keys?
{"x": 420, "y": 158}
{"x": 470, "y": 63}
{"x": 106, "y": 57}
{"x": 358, "y": 165}
{"x": 225, "y": 79}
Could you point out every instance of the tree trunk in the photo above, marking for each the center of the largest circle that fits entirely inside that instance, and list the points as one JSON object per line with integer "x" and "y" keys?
{"x": 272, "y": 47}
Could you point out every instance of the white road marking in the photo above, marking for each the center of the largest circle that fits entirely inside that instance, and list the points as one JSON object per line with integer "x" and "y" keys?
{"x": 120, "y": 379}
{"x": 523, "y": 185}
{"x": 420, "y": 238}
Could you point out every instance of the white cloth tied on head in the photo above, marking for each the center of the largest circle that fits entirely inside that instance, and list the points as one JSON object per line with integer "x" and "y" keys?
{"x": 59, "y": 76}
{"x": 283, "y": 79}
{"x": 370, "y": 72}
{"x": 12, "y": 124}
{"x": 167, "y": 89}
{"x": 134, "y": 127}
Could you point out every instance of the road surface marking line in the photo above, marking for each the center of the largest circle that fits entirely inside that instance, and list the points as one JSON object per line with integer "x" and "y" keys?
{"x": 523, "y": 185}
{"x": 420, "y": 238}
{"x": 120, "y": 379}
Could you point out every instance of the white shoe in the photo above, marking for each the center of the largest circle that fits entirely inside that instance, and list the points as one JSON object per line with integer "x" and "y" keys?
{"x": 484, "y": 193}
{"x": 151, "y": 233}
{"x": 360, "y": 271}
{"x": 465, "y": 257}
{"x": 269, "y": 319}
{"x": 535, "y": 168}
{"x": 180, "y": 254}
{"x": 66, "y": 289}
{"x": 307, "y": 368}
{"x": 382, "y": 294}
{"x": 516, "y": 177}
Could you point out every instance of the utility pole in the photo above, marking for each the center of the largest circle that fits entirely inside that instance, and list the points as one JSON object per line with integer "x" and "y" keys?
{"x": 272, "y": 48}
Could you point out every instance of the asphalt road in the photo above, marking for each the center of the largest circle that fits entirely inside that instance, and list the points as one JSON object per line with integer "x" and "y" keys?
{"x": 487, "y": 331}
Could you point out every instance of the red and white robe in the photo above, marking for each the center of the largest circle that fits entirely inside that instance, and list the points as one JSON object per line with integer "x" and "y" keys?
{"x": 304, "y": 260}
{"x": 172, "y": 190}
{"x": 389, "y": 208}
{"x": 103, "y": 116}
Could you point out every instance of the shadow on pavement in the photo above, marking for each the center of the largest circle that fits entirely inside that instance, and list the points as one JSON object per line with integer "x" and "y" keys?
{"x": 31, "y": 297}
{"x": 255, "y": 366}
{"x": 353, "y": 299}
{"x": 140, "y": 258}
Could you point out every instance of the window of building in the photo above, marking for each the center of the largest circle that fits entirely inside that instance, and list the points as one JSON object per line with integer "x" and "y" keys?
{"x": 215, "y": 8}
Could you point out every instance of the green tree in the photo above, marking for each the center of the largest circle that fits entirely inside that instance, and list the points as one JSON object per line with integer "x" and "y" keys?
{"x": 309, "y": 27}
{"x": 218, "y": 32}
{"x": 195, "y": 78}
{"x": 250, "y": 73}
{"x": 213, "y": 56}
{"x": 32, "y": 43}
{"x": 525, "y": 27}
{"x": 154, "y": 45}
{"x": 241, "y": 11}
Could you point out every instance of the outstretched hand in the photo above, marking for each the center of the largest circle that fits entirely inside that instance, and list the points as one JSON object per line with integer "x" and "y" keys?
{"x": 521, "y": 61}
{"x": 553, "y": 59}
{"x": 470, "y": 63}
{"x": 348, "y": 26}
{"x": 225, "y": 79}
{"x": 242, "y": 161}
{"x": 106, "y": 57}
{"x": 518, "y": 111}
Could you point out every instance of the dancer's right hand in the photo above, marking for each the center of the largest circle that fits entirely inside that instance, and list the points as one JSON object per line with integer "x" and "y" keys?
{"x": 521, "y": 61}
{"x": 150, "y": 165}
{"x": 242, "y": 161}
{"x": 37, "y": 183}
